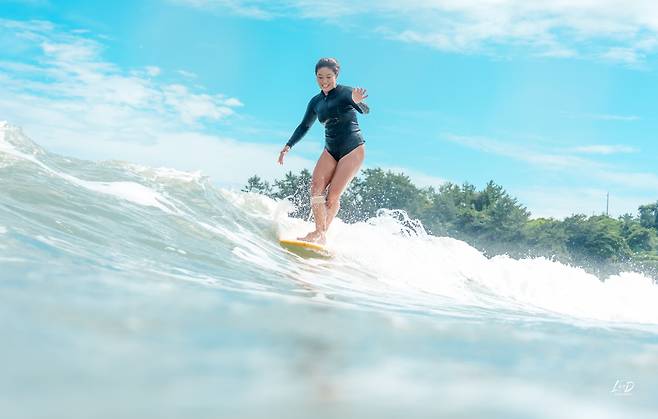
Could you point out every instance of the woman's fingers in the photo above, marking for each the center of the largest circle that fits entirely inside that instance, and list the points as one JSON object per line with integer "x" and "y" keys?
{"x": 358, "y": 94}
{"x": 283, "y": 153}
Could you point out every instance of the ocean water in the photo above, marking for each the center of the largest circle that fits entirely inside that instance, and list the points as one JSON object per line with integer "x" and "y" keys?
{"x": 132, "y": 292}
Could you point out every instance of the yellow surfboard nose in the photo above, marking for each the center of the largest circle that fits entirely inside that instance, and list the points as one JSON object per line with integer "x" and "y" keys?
{"x": 304, "y": 248}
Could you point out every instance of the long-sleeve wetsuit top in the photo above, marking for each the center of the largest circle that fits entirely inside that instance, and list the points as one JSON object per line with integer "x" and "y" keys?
{"x": 335, "y": 111}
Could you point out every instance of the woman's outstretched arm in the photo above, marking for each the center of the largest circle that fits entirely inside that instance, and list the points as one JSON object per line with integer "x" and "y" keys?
{"x": 302, "y": 129}
{"x": 305, "y": 125}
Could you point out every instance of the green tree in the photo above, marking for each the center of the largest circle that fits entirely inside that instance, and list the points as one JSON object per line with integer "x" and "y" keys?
{"x": 649, "y": 215}
{"x": 638, "y": 238}
{"x": 445, "y": 207}
{"x": 546, "y": 237}
{"x": 257, "y": 185}
{"x": 489, "y": 219}
{"x": 381, "y": 189}
{"x": 297, "y": 189}
{"x": 597, "y": 238}
{"x": 505, "y": 215}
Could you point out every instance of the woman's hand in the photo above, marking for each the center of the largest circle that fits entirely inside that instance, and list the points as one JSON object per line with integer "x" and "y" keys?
{"x": 283, "y": 153}
{"x": 358, "y": 94}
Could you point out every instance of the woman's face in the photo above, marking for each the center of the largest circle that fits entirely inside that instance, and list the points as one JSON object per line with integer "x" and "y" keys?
{"x": 326, "y": 79}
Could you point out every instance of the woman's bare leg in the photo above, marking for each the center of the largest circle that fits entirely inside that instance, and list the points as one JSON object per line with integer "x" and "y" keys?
{"x": 346, "y": 169}
{"x": 322, "y": 174}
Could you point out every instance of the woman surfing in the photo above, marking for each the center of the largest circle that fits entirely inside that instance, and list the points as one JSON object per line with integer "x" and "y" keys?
{"x": 344, "y": 148}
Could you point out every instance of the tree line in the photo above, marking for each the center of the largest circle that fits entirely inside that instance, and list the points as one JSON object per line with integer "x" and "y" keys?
{"x": 490, "y": 219}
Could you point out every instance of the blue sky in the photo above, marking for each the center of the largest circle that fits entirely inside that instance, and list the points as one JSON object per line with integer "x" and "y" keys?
{"x": 554, "y": 100}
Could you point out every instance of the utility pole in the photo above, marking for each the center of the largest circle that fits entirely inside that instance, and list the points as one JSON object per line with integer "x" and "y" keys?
{"x": 607, "y": 204}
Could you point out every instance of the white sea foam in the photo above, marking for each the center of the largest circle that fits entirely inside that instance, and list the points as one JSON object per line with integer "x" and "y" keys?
{"x": 388, "y": 259}
{"x": 156, "y": 173}
{"x": 449, "y": 268}
{"x": 129, "y": 191}
{"x": 452, "y": 268}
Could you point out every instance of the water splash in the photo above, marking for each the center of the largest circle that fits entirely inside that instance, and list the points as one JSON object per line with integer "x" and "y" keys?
{"x": 172, "y": 224}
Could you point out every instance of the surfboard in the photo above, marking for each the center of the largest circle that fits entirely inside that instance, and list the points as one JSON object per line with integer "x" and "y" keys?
{"x": 304, "y": 248}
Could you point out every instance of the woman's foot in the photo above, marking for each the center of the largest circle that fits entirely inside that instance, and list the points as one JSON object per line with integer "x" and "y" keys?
{"x": 314, "y": 237}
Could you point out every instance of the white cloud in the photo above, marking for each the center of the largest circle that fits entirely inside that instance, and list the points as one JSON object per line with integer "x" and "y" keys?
{"x": 635, "y": 180}
{"x": 617, "y": 30}
{"x": 418, "y": 178}
{"x": 622, "y": 54}
{"x": 153, "y": 71}
{"x": 558, "y": 52}
{"x": 560, "y": 202}
{"x": 187, "y": 74}
{"x": 72, "y": 101}
{"x": 233, "y": 102}
{"x": 68, "y": 68}
{"x": 248, "y": 8}
{"x": 604, "y": 149}
{"x": 192, "y": 107}
{"x": 604, "y": 117}
{"x": 560, "y": 161}
{"x": 526, "y": 153}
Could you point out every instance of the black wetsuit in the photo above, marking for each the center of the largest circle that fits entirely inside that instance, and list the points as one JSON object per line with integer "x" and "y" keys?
{"x": 336, "y": 112}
